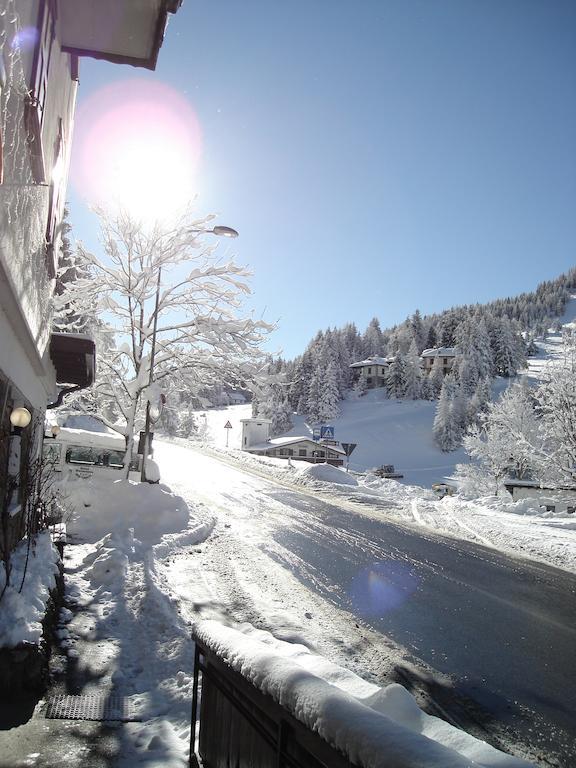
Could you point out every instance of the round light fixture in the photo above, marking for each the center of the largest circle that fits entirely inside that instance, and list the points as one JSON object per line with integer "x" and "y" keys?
{"x": 20, "y": 417}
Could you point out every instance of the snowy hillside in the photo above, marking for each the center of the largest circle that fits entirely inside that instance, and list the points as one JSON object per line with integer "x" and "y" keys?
{"x": 388, "y": 431}
{"x": 551, "y": 350}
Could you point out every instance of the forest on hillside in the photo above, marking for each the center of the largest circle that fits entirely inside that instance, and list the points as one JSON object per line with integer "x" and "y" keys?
{"x": 491, "y": 340}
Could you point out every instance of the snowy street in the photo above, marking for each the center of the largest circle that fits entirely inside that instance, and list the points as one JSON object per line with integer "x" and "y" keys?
{"x": 478, "y": 633}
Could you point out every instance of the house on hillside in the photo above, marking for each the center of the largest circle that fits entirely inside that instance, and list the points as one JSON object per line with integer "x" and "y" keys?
{"x": 372, "y": 371}
{"x": 447, "y": 355}
{"x": 256, "y": 439}
{"x": 553, "y": 498}
{"x": 42, "y": 42}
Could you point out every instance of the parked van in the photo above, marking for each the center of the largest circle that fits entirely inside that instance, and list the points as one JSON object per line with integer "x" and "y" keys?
{"x": 77, "y": 454}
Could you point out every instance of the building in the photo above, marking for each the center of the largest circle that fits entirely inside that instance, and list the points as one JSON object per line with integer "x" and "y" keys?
{"x": 559, "y": 498}
{"x": 256, "y": 439}
{"x": 372, "y": 371}
{"x": 446, "y": 355}
{"x": 41, "y": 44}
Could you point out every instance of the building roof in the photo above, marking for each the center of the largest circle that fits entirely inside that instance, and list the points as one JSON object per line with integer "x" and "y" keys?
{"x": 372, "y": 361}
{"x": 537, "y": 486}
{"x": 119, "y": 31}
{"x": 440, "y": 352}
{"x": 280, "y": 442}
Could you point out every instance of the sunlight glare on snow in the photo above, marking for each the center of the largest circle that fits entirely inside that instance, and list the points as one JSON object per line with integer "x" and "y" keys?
{"x": 382, "y": 587}
{"x": 138, "y": 147}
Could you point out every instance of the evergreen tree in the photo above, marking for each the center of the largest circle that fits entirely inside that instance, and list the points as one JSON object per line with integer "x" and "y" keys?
{"x": 431, "y": 338}
{"x": 418, "y": 333}
{"x": 412, "y": 374}
{"x": 396, "y": 377}
{"x": 372, "y": 340}
{"x": 436, "y": 377}
{"x": 329, "y": 396}
{"x": 446, "y": 429}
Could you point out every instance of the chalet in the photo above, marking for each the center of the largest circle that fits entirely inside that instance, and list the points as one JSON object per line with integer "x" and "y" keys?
{"x": 41, "y": 44}
{"x": 256, "y": 439}
{"x": 372, "y": 371}
{"x": 446, "y": 355}
{"x": 300, "y": 449}
{"x": 552, "y": 498}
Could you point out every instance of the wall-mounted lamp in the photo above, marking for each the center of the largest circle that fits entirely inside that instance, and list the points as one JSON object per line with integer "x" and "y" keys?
{"x": 20, "y": 418}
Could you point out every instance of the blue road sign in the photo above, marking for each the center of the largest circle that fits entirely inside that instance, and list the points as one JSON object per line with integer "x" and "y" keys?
{"x": 327, "y": 432}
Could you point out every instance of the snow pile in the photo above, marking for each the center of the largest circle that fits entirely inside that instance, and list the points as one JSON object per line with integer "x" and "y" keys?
{"x": 374, "y": 727}
{"x": 109, "y": 562}
{"x": 102, "y": 507}
{"x": 21, "y": 613}
{"x": 325, "y": 473}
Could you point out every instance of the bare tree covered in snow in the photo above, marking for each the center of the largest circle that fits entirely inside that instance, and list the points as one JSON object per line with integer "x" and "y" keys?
{"x": 527, "y": 433}
{"x": 165, "y": 282}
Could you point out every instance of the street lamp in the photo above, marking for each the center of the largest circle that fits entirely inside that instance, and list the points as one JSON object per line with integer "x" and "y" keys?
{"x": 219, "y": 231}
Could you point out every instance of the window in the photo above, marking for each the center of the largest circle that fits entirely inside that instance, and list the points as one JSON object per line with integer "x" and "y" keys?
{"x": 369, "y": 370}
{"x": 369, "y": 380}
{"x": 445, "y": 361}
{"x": 96, "y": 457}
{"x": 549, "y": 507}
{"x": 290, "y": 452}
{"x": 570, "y": 510}
{"x": 51, "y": 452}
{"x": 302, "y": 452}
{"x": 36, "y": 100}
{"x": 282, "y": 452}
{"x": 115, "y": 459}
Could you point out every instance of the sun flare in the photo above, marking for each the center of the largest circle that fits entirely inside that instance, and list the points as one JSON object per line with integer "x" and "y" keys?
{"x": 138, "y": 149}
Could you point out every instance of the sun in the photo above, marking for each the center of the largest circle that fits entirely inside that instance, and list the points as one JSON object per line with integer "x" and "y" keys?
{"x": 138, "y": 149}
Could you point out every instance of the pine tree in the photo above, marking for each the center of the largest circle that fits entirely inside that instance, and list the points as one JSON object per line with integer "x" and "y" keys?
{"x": 412, "y": 374}
{"x": 372, "y": 339}
{"x": 436, "y": 377}
{"x": 446, "y": 430}
{"x": 396, "y": 377}
{"x": 329, "y": 396}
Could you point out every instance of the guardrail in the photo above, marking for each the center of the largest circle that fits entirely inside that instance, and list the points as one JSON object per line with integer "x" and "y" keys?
{"x": 240, "y": 726}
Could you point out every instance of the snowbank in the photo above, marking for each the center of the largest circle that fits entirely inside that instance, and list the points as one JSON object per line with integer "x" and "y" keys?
{"x": 325, "y": 473}
{"x": 375, "y": 727}
{"x": 22, "y": 613}
{"x": 102, "y": 507}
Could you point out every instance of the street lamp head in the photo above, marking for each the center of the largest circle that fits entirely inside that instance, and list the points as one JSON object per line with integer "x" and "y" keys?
{"x": 225, "y": 232}
{"x": 219, "y": 231}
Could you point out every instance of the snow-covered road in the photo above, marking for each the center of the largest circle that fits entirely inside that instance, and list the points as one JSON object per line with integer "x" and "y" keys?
{"x": 487, "y": 637}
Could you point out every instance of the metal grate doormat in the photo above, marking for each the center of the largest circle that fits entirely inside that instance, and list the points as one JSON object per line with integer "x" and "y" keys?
{"x": 96, "y": 707}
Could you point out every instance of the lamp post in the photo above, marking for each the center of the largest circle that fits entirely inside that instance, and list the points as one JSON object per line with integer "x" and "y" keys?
{"x": 219, "y": 231}
{"x": 20, "y": 418}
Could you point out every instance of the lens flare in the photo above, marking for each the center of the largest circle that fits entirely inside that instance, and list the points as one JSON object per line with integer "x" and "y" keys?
{"x": 382, "y": 588}
{"x": 25, "y": 39}
{"x": 137, "y": 147}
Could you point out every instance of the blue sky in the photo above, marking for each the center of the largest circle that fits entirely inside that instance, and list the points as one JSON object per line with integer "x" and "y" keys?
{"x": 377, "y": 156}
